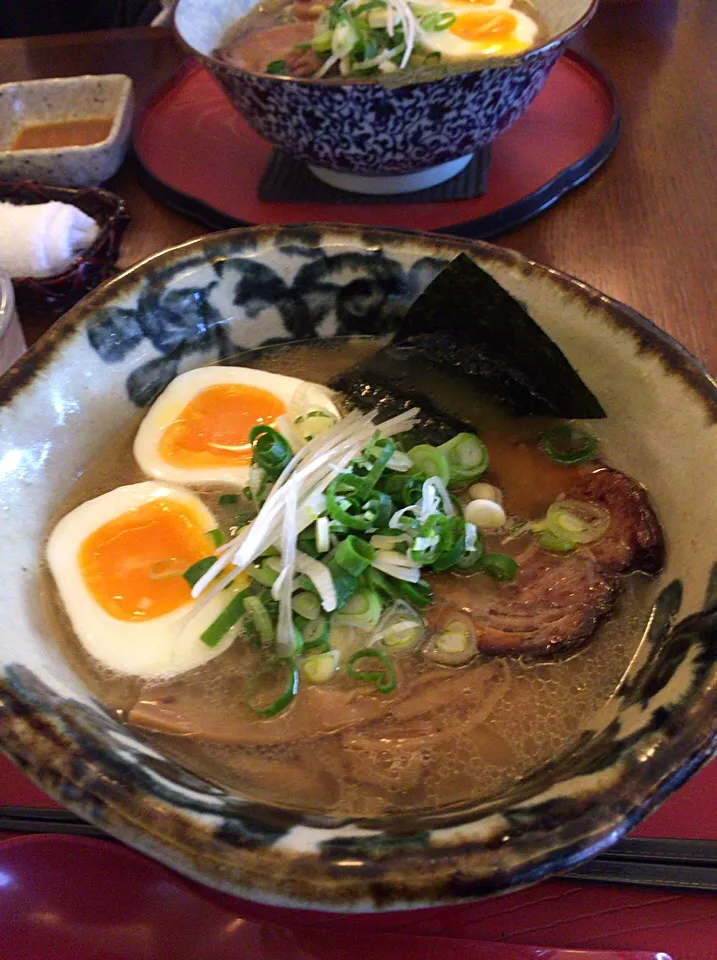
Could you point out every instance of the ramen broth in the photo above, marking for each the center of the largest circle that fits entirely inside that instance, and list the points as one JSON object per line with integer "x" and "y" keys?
{"x": 270, "y": 33}
{"x": 446, "y": 735}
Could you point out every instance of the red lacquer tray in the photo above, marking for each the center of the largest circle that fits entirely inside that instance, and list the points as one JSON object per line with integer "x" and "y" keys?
{"x": 200, "y": 157}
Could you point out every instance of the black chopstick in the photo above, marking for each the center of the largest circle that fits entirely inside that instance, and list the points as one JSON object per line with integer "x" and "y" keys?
{"x": 638, "y": 861}
{"x": 640, "y": 873}
{"x": 674, "y": 851}
{"x": 51, "y": 814}
{"x": 26, "y": 825}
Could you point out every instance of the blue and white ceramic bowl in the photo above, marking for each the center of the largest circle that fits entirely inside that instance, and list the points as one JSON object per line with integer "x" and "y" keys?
{"x": 344, "y": 129}
{"x": 230, "y": 291}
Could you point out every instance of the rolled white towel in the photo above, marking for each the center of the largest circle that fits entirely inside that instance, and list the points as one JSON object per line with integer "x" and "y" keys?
{"x": 42, "y": 239}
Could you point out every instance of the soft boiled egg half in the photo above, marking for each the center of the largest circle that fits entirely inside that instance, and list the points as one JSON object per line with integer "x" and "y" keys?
{"x": 197, "y": 431}
{"x": 479, "y": 29}
{"x": 118, "y": 562}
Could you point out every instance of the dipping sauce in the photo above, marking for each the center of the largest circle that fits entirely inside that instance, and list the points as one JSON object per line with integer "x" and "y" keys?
{"x": 65, "y": 133}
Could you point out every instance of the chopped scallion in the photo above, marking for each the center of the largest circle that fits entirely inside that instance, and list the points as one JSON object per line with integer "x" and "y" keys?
{"x": 499, "y": 566}
{"x": 568, "y": 445}
{"x": 253, "y": 687}
{"x": 217, "y": 630}
{"x": 382, "y": 675}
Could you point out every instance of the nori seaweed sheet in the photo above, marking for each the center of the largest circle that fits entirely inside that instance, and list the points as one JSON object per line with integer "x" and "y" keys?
{"x": 465, "y": 324}
{"x": 390, "y": 382}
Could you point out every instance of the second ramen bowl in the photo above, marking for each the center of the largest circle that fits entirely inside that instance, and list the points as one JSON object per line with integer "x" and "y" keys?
{"x": 367, "y": 137}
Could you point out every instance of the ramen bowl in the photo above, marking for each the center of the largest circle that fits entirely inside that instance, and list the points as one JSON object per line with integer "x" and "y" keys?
{"x": 214, "y": 297}
{"x": 365, "y": 136}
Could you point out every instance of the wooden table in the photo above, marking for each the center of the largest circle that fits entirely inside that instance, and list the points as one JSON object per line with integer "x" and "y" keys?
{"x": 644, "y": 229}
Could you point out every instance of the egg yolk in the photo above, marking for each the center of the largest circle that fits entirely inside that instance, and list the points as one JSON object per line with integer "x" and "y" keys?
{"x": 492, "y": 30}
{"x": 133, "y": 564}
{"x": 213, "y": 429}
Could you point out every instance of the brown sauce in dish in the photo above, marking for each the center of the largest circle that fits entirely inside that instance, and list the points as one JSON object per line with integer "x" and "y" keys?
{"x": 445, "y": 736}
{"x": 63, "y": 133}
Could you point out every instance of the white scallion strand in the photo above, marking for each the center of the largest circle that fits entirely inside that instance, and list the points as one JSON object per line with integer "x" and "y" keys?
{"x": 285, "y": 626}
{"x": 408, "y": 19}
{"x": 306, "y": 475}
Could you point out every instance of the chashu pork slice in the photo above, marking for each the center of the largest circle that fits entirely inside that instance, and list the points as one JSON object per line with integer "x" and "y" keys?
{"x": 557, "y": 600}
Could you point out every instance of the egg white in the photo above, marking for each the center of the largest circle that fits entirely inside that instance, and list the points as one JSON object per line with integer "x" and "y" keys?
{"x": 162, "y": 647}
{"x": 165, "y": 410}
{"x": 451, "y": 46}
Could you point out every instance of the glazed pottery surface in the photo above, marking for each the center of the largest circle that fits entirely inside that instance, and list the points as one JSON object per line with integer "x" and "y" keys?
{"x": 59, "y": 99}
{"x": 215, "y": 297}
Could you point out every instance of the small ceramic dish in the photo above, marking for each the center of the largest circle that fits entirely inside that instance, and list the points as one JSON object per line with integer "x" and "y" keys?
{"x": 57, "y": 100}
{"x": 54, "y": 295}
{"x": 214, "y": 297}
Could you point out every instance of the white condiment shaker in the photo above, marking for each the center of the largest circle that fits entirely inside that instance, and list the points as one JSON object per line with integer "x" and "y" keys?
{"x": 12, "y": 339}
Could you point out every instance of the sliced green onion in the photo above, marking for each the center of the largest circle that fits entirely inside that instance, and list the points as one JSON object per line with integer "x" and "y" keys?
{"x": 499, "y": 566}
{"x": 427, "y": 543}
{"x": 271, "y": 451}
{"x": 218, "y": 628}
{"x": 252, "y": 687}
{"x": 266, "y": 572}
{"x": 354, "y": 555}
{"x": 345, "y": 583}
{"x": 473, "y": 550}
{"x": 384, "y": 677}
{"x": 405, "y": 488}
{"x": 419, "y": 594}
{"x": 452, "y": 545}
{"x": 313, "y": 423}
{"x": 322, "y": 535}
{"x": 430, "y": 461}
{"x": 343, "y": 491}
{"x": 383, "y": 584}
{"x": 216, "y": 536}
{"x": 455, "y": 645}
{"x": 228, "y": 499}
{"x": 386, "y": 449}
{"x": 276, "y": 66}
{"x": 307, "y": 605}
{"x": 320, "y": 667}
{"x": 550, "y": 541}
{"x": 322, "y": 42}
{"x": 257, "y": 613}
{"x": 437, "y": 20}
{"x": 467, "y": 458}
{"x": 362, "y": 610}
{"x": 197, "y": 570}
{"x": 577, "y": 520}
{"x": 400, "y": 627}
{"x": 316, "y": 632}
{"x": 568, "y": 445}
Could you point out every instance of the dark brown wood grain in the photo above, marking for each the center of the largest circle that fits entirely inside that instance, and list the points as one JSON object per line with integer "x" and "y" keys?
{"x": 643, "y": 230}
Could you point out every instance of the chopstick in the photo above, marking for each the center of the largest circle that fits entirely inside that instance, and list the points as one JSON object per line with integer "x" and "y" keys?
{"x": 641, "y": 873}
{"x": 638, "y": 861}
{"x": 674, "y": 851}
{"x": 46, "y": 820}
